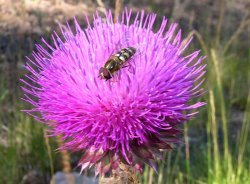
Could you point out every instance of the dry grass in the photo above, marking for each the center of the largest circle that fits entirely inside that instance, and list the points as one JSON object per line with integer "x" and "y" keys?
{"x": 36, "y": 16}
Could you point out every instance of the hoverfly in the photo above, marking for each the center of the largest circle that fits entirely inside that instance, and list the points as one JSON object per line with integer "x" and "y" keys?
{"x": 116, "y": 62}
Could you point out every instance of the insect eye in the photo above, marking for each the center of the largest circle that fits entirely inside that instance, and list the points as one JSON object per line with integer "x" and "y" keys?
{"x": 104, "y": 73}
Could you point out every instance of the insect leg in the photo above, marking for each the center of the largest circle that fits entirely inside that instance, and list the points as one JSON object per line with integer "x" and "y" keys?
{"x": 116, "y": 77}
{"x": 131, "y": 67}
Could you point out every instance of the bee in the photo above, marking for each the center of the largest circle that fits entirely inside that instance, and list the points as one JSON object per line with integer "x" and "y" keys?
{"x": 115, "y": 62}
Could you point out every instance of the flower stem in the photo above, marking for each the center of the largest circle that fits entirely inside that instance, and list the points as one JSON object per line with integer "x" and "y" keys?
{"x": 123, "y": 175}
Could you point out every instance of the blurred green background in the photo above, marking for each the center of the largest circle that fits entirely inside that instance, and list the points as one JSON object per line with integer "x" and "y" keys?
{"x": 217, "y": 146}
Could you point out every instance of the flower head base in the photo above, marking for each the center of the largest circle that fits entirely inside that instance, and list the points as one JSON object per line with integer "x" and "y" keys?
{"x": 130, "y": 119}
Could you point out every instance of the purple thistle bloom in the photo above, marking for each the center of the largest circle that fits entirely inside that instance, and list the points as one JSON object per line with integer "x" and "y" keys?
{"x": 131, "y": 118}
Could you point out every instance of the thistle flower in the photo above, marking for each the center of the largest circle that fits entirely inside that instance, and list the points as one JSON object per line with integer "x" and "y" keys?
{"x": 130, "y": 120}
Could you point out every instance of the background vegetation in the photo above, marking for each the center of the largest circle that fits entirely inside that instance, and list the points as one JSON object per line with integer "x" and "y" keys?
{"x": 217, "y": 146}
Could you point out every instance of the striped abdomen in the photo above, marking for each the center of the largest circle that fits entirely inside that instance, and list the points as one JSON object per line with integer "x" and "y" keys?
{"x": 125, "y": 54}
{"x": 116, "y": 62}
